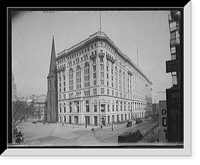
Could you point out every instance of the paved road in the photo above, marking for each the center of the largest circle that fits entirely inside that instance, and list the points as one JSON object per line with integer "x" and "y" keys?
{"x": 69, "y": 135}
{"x": 111, "y": 137}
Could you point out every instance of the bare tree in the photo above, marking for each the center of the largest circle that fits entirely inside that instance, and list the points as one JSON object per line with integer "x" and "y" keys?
{"x": 20, "y": 110}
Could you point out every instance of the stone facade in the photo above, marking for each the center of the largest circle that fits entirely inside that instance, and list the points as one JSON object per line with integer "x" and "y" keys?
{"x": 97, "y": 84}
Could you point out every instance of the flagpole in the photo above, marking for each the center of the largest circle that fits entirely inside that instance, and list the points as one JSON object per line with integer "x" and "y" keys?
{"x": 100, "y": 21}
{"x": 137, "y": 56}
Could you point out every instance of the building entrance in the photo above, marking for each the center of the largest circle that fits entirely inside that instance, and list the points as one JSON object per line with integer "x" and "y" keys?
{"x": 87, "y": 120}
{"x": 103, "y": 120}
{"x": 70, "y": 119}
{"x": 95, "y": 120}
{"x": 76, "y": 119}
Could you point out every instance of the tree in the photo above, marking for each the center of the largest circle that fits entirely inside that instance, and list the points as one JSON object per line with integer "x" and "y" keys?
{"x": 20, "y": 110}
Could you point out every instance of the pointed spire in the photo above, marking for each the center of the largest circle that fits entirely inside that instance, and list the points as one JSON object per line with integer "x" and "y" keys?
{"x": 52, "y": 69}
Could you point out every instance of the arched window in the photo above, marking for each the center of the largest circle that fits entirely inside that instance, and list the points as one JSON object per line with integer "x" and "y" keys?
{"x": 71, "y": 83}
{"x": 70, "y": 73}
{"x": 86, "y": 75}
{"x": 78, "y": 77}
{"x": 116, "y": 77}
{"x": 87, "y": 107}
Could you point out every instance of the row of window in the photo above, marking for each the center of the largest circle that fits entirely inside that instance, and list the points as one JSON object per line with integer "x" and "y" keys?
{"x": 102, "y": 91}
{"x": 88, "y": 119}
{"x": 119, "y": 106}
{"x": 121, "y": 84}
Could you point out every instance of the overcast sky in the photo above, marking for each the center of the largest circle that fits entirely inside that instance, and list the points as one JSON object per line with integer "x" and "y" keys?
{"x": 32, "y": 40}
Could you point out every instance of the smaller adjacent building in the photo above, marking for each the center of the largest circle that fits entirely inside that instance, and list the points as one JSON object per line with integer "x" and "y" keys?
{"x": 155, "y": 108}
{"x": 162, "y": 121}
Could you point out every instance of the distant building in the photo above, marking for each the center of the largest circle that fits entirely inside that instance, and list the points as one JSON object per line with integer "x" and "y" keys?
{"x": 39, "y": 107}
{"x": 14, "y": 89}
{"x": 162, "y": 121}
{"x": 155, "y": 108}
{"x": 94, "y": 83}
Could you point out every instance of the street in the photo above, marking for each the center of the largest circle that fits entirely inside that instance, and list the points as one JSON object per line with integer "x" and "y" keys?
{"x": 73, "y": 135}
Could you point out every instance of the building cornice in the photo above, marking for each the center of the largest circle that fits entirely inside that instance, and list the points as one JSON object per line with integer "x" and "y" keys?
{"x": 101, "y": 36}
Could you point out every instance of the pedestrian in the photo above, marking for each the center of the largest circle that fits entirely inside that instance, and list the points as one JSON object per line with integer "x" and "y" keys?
{"x": 101, "y": 126}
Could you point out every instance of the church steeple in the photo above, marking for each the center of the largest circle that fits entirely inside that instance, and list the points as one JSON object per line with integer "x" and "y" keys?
{"x": 52, "y": 109}
{"x": 52, "y": 68}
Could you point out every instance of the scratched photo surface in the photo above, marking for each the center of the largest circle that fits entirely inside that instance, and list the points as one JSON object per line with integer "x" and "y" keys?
{"x": 94, "y": 78}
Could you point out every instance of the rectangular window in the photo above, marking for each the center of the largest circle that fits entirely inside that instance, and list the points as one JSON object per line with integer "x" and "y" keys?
{"x": 95, "y": 91}
{"x": 95, "y": 108}
{"x": 87, "y": 108}
{"x": 113, "y": 108}
{"x": 103, "y": 107}
{"x": 95, "y": 82}
{"x": 102, "y": 74}
{"x": 120, "y": 94}
{"x": 108, "y": 91}
{"x": 102, "y": 90}
{"x": 173, "y": 50}
{"x": 94, "y": 75}
{"x": 108, "y": 108}
{"x": 101, "y": 66}
{"x": 70, "y": 95}
{"x": 116, "y": 94}
{"x": 94, "y": 68}
{"x": 102, "y": 82}
{"x": 94, "y": 61}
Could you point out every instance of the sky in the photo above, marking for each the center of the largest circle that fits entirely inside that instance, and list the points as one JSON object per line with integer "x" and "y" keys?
{"x": 32, "y": 33}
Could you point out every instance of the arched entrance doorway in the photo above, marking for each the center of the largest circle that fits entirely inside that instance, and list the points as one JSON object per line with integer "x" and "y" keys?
{"x": 103, "y": 120}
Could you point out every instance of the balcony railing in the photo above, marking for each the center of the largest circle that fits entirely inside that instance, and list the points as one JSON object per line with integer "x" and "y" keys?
{"x": 61, "y": 68}
{"x": 93, "y": 56}
{"x": 101, "y": 55}
{"x": 109, "y": 57}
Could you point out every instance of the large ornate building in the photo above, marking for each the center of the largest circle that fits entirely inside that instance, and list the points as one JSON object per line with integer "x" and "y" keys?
{"x": 97, "y": 84}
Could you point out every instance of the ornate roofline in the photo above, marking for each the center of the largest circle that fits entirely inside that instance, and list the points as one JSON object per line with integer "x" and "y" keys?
{"x": 99, "y": 35}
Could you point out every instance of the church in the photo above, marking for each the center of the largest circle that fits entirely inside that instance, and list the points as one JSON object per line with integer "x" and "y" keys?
{"x": 95, "y": 83}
